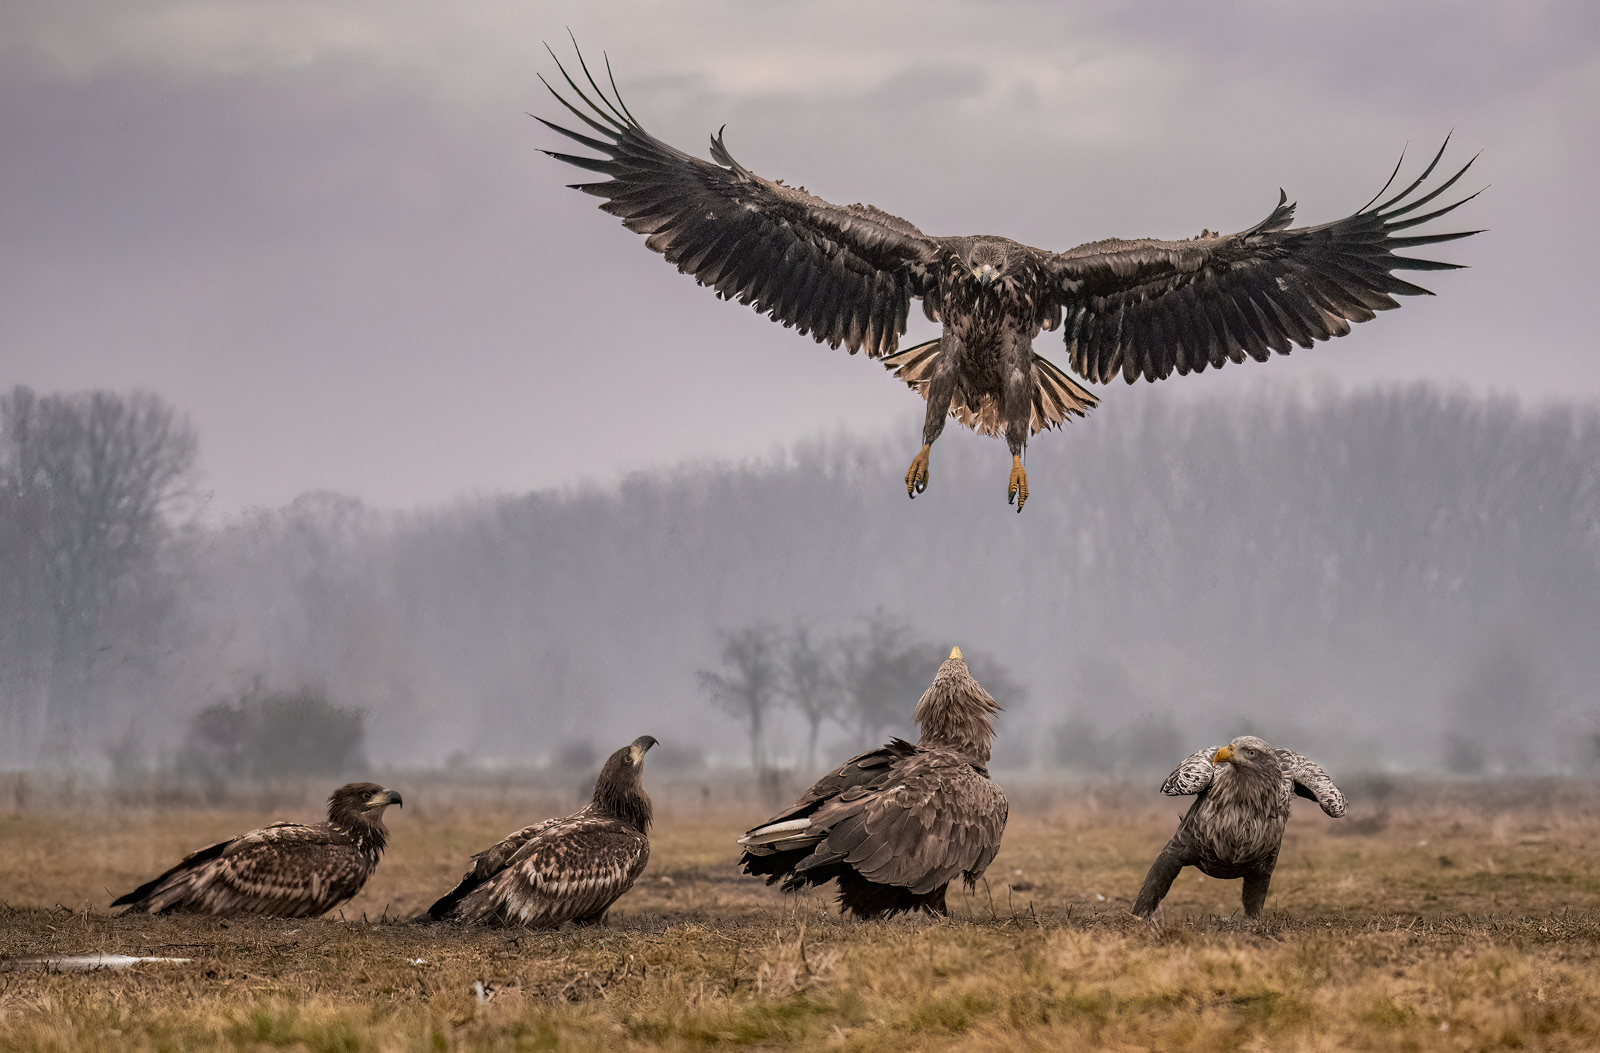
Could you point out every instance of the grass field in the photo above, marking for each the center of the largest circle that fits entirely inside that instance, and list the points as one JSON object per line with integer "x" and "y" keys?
{"x": 1449, "y": 917}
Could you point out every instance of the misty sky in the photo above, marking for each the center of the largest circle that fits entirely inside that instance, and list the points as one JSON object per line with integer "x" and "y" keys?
{"x": 325, "y": 232}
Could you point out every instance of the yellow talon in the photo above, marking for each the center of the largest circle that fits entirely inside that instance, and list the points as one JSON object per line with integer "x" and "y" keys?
{"x": 917, "y": 474}
{"x": 1018, "y": 489}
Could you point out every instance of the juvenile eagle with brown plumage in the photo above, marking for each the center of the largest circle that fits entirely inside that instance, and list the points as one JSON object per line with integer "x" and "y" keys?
{"x": 1140, "y": 308}
{"x": 568, "y": 869}
{"x": 897, "y": 825}
{"x": 1235, "y": 828}
{"x": 286, "y": 870}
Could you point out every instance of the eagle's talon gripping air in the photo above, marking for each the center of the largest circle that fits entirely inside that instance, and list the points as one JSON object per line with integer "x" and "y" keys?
{"x": 1017, "y": 488}
{"x": 1138, "y": 308}
{"x": 917, "y": 474}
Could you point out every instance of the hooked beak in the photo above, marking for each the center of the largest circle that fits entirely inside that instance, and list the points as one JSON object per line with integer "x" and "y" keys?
{"x": 1223, "y": 756}
{"x": 640, "y": 746}
{"x": 386, "y": 798}
{"x": 985, "y": 275}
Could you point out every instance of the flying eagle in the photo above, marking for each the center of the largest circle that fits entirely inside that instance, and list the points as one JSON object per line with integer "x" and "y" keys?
{"x": 1235, "y": 828}
{"x": 897, "y": 825}
{"x": 569, "y": 869}
{"x": 286, "y": 870}
{"x": 1140, "y": 308}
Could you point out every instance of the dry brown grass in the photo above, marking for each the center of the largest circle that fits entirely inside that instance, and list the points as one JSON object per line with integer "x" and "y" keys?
{"x": 1436, "y": 917}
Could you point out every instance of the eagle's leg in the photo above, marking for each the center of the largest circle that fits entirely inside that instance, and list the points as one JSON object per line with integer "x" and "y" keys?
{"x": 941, "y": 390}
{"x": 1163, "y": 872}
{"x": 1017, "y": 407}
{"x": 1255, "y": 886}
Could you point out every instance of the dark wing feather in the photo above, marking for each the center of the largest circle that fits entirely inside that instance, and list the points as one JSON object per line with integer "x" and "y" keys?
{"x": 286, "y": 870}
{"x": 572, "y": 870}
{"x": 1193, "y": 775}
{"x": 1311, "y": 782}
{"x": 485, "y": 865}
{"x": 844, "y": 275}
{"x": 189, "y": 864}
{"x": 1149, "y": 308}
{"x": 936, "y": 818}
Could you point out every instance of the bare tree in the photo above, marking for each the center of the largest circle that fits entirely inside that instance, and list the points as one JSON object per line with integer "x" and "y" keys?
{"x": 87, "y": 482}
{"x": 749, "y": 689}
{"x": 886, "y": 669}
{"x": 811, "y": 684}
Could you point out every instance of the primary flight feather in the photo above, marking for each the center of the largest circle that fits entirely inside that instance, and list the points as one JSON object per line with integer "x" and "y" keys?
{"x": 1142, "y": 308}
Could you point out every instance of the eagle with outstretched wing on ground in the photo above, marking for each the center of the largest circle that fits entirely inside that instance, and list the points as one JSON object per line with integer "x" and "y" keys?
{"x": 1235, "y": 827}
{"x": 286, "y": 870}
{"x": 568, "y": 869}
{"x": 897, "y": 825}
{"x": 1135, "y": 308}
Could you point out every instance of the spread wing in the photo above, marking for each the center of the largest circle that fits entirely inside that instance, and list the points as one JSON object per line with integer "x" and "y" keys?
{"x": 286, "y": 870}
{"x": 571, "y": 870}
{"x": 1147, "y": 308}
{"x": 937, "y": 818}
{"x": 1193, "y": 775}
{"x": 1311, "y": 782}
{"x": 844, "y": 275}
{"x": 487, "y": 864}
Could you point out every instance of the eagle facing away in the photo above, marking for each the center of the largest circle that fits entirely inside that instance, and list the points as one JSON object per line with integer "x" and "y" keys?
{"x": 286, "y": 870}
{"x": 897, "y": 825}
{"x": 568, "y": 869}
{"x": 1235, "y": 828}
{"x": 1138, "y": 308}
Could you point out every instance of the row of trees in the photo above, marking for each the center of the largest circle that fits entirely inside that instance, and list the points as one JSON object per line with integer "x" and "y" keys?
{"x": 864, "y": 681}
{"x": 93, "y": 488}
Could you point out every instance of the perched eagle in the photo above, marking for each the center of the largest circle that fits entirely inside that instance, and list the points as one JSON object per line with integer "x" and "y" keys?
{"x": 287, "y": 870}
{"x": 1235, "y": 828}
{"x": 897, "y": 825}
{"x": 1141, "y": 308}
{"x": 569, "y": 869}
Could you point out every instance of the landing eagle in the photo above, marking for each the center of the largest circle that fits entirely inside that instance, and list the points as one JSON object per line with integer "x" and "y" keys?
{"x": 286, "y": 870}
{"x": 897, "y": 825}
{"x": 567, "y": 869}
{"x": 1138, "y": 308}
{"x": 1235, "y": 827}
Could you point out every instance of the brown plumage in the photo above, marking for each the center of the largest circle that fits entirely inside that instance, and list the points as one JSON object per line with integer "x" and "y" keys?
{"x": 1141, "y": 308}
{"x": 568, "y": 869}
{"x": 1235, "y": 828}
{"x": 897, "y": 825}
{"x": 287, "y": 870}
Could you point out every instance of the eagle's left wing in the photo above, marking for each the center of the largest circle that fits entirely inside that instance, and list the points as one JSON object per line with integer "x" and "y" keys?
{"x": 1193, "y": 775}
{"x": 1148, "y": 308}
{"x": 843, "y": 274}
{"x": 570, "y": 871}
{"x": 1311, "y": 782}
{"x": 935, "y": 823}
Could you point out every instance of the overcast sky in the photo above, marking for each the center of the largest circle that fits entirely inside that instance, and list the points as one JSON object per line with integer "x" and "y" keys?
{"x": 324, "y": 231}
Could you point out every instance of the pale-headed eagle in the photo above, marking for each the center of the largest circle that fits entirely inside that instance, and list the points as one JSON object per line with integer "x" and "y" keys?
{"x": 568, "y": 869}
{"x": 897, "y": 825}
{"x": 1235, "y": 828}
{"x": 1141, "y": 308}
{"x": 286, "y": 870}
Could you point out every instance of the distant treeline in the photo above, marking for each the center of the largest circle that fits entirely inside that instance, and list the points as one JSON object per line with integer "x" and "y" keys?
{"x": 1399, "y": 578}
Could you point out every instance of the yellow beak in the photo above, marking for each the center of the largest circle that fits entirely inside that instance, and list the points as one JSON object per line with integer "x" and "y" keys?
{"x": 955, "y": 652}
{"x": 1223, "y": 756}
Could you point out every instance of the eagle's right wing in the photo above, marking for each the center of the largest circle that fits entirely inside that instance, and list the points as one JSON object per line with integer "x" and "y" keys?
{"x": 843, "y": 274}
{"x": 1193, "y": 775}
{"x": 487, "y": 864}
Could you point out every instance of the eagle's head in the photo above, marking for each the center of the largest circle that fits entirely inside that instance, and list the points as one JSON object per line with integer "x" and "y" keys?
{"x": 619, "y": 791}
{"x": 989, "y": 260}
{"x": 360, "y": 803}
{"x": 1250, "y": 759}
{"x": 955, "y": 712}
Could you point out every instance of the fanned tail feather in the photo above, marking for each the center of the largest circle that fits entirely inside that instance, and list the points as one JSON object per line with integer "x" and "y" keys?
{"x": 1055, "y": 394}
